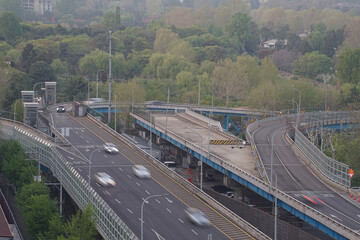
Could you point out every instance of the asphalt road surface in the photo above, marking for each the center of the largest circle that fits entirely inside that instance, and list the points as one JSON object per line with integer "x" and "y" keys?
{"x": 164, "y": 216}
{"x": 297, "y": 180}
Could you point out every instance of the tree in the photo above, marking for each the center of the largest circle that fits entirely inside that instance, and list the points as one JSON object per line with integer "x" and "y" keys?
{"x": 10, "y": 27}
{"x": 239, "y": 31}
{"x": 92, "y": 62}
{"x": 283, "y": 60}
{"x": 163, "y": 38}
{"x": 38, "y": 212}
{"x": 17, "y": 81}
{"x": 226, "y": 80}
{"x": 312, "y": 64}
{"x": 41, "y": 72}
{"x": 316, "y": 41}
{"x": 28, "y": 57}
{"x": 82, "y": 225}
{"x": 348, "y": 67}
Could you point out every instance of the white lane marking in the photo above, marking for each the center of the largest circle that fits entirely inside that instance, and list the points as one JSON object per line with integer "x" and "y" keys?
{"x": 129, "y": 211}
{"x": 358, "y": 215}
{"x": 158, "y": 235}
{"x": 117, "y": 201}
{"x": 169, "y": 210}
{"x": 107, "y": 193}
{"x": 86, "y": 150}
{"x": 96, "y": 183}
{"x": 105, "y": 156}
{"x": 112, "y": 162}
{"x": 170, "y": 201}
{"x": 121, "y": 169}
{"x": 71, "y": 158}
{"x": 147, "y": 192}
{"x": 79, "y": 169}
{"x": 87, "y": 141}
{"x": 157, "y": 201}
{"x": 129, "y": 176}
{"x": 138, "y": 184}
{"x": 82, "y": 130}
{"x": 81, "y": 136}
{"x": 333, "y": 216}
{"x": 180, "y": 220}
{"x": 194, "y": 231}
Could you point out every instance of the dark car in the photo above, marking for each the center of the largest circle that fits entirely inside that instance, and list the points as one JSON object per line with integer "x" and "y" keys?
{"x": 60, "y": 108}
{"x": 224, "y": 190}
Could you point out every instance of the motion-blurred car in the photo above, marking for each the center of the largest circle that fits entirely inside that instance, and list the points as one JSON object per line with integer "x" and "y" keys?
{"x": 104, "y": 179}
{"x": 60, "y": 108}
{"x": 197, "y": 217}
{"x": 110, "y": 148}
{"x": 141, "y": 172}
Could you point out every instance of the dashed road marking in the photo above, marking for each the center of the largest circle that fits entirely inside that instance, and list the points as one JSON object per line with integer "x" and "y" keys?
{"x": 194, "y": 232}
{"x": 129, "y": 211}
{"x": 180, "y": 220}
{"x": 168, "y": 210}
{"x": 117, "y": 201}
{"x": 121, "y": 169}
{"x": 147, "y": 192}
{"x": 157, "y": 201}
{"x": 138, "y": 184}
{"x": 129, "y": 176}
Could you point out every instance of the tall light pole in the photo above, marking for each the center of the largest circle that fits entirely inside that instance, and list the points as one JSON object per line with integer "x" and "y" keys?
{"x": 275, "y": 202}
{"x": 97, "y": 82}
{"x": 142, "y": 213}
{"x": 201, "y": 158}
{"x": 91, "y": 163}
{"x": 109, "y": 109}
{"x": 299, "y": 107}
{"x": 35, "y": 86}
{"x": 272, "y": 157}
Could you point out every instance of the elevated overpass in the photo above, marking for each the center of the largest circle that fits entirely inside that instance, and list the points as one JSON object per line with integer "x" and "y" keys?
{"x": 175, "y": 128}
{"x": 117, "y": 210}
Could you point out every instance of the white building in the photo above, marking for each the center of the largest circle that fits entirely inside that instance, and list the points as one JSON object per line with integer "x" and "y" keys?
{"x": 42, "y": 6}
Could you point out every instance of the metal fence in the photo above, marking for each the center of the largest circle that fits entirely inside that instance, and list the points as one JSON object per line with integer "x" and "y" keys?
{"x": 108, "y": 223}
{"x": 330, "y": 168}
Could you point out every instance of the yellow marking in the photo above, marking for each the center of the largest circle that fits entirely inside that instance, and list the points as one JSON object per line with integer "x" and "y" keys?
{"x": 205, "y": 204}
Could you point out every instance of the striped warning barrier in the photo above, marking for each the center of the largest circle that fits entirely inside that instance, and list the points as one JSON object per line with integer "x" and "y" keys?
{"x": 226, "y": 142}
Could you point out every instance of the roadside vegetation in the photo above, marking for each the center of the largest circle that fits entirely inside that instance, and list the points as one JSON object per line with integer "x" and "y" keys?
{"x": 39, "y": 210}
{"x": 223, "y": 49}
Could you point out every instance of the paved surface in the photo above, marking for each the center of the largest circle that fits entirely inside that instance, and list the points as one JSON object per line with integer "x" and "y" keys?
{"x": 295, "y": 177}
{"x": 190, "y": 128}
{"x": 164, "y": 216}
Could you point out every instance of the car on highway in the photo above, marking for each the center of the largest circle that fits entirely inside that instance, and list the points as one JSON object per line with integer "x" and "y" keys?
{"x": 224, "y": 190}
{"x": 197, "y": 217}
{"x": 110, "y": 148}
{"x": 141, "y": 172}
{"x": 60, "y": 108}
{"x": 104, "y": 179}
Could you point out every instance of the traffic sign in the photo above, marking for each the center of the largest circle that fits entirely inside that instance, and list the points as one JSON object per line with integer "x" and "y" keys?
{"x": 351, "y": 172}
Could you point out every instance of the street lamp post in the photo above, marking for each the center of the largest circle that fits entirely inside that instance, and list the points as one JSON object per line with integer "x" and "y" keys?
{"x": 35, "y": 86}
{"x": 275, "y": 202}
{"x": 91, "y": 163}
{"x": 201, "y": 159}
{"x": 97, "y": 82}
{"x": 299, "y": 107}
{"x": 142, "y": 213}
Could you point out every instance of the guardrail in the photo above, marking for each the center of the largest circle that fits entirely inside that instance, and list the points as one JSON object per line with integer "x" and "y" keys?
{"x": 286, "y": 199}
{"x": 185, "y": 183}
{"x": 107, "y": 222}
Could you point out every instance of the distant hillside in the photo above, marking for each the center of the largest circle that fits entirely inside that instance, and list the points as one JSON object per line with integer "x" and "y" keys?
{"x": 343, "y": 5}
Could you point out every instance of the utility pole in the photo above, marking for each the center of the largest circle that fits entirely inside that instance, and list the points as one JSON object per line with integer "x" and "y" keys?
{"x": 109, "y": 110}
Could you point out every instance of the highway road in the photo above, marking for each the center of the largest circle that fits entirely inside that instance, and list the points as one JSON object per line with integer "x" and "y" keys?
{"x": 164, "y": 216}
{"x": 296, "y": 179}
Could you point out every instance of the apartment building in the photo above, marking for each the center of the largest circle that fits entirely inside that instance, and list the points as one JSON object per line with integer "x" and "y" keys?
{"x": 38, "y": 6}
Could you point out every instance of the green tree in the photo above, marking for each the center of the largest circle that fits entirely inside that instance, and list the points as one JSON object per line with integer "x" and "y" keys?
{"x": 74, "y": 89}
{"x": 82, "y": 225}
{"x": 163, "y": 38}
{"x": 117, "y": 18}
{"x": 312, "y": 64}
{"x": 17, "y": 81}
{"x": 28, "y": 57}
{"x": 31, "y": 189}
{"x": 348, "y": 66}
{"x": 38, "y": 212}
{"x": 10, "y": 27}
{"x": 92, "y": 62}
{"x": 56, "y": 228}
{"x": 59, "y": 67}
{"x": 239, "y": 31}
{"x": 19, "y": 110}
{"x": 316, "y": 41}
{"x": 41, "y": 72}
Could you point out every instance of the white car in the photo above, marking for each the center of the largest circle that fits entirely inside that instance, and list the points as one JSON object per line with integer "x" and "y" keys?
{"x": 104, "y": 179}
{"x": 197, "y": 217}
{"x": 141, "y": 172}
{"x": 110, "y": 148}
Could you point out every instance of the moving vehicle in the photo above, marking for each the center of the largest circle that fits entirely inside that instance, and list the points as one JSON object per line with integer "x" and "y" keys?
{"x": 104, "y": 179}
{"x": 60, "y": 108}
{"x": 171, "y": 165}
{"x": 141, "y": 172}
{"x": 197, "y": 217}
{"x": 110, "y": 148}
